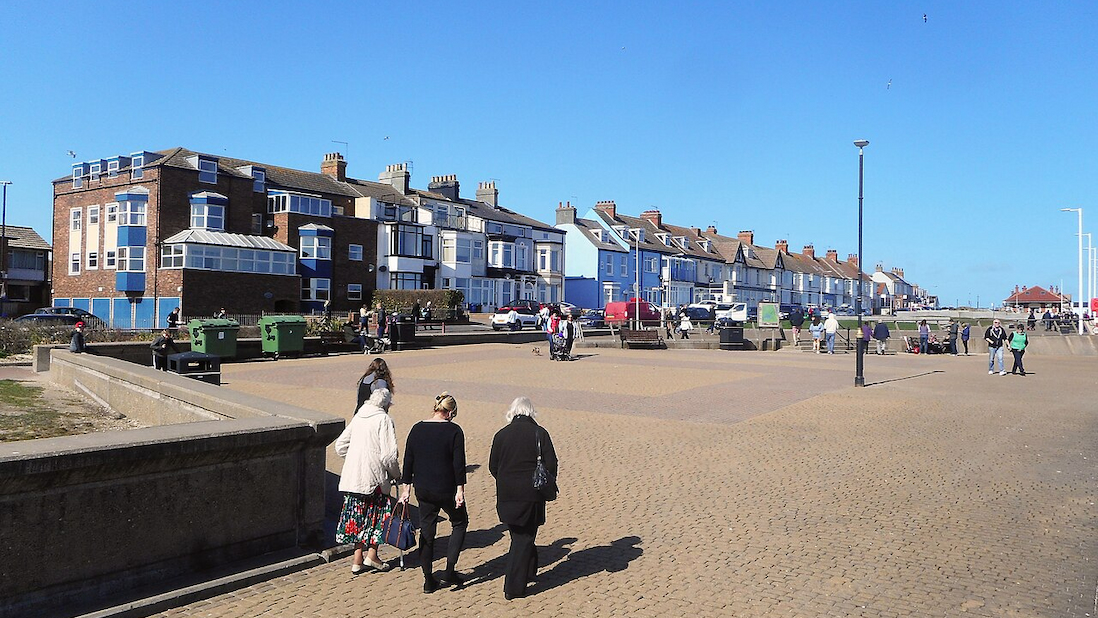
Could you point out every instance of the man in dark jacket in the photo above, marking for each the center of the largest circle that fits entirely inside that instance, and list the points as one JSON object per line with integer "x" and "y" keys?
{"x": 881, "y": 334}
{"x": 796, "y": 320}
{"x": 995, "y": 335}
{"x": 160, "y": 347}
{"x": 76, "y": 343}
{"x": 954, "y": 330}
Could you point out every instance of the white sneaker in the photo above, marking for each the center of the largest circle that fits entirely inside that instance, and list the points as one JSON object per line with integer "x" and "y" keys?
{"x": 990, "y": 372}
{"x": 1002, "y": 373}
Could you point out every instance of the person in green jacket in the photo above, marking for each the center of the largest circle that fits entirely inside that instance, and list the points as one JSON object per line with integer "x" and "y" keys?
{"x": 1018, "y": 341}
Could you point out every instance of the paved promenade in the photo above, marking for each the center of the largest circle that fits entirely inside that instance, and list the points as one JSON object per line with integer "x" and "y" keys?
{"x": 708, "y": 483}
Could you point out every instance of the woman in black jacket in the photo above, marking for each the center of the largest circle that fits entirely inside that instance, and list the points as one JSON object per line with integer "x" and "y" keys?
{"x": 514, "y": 455}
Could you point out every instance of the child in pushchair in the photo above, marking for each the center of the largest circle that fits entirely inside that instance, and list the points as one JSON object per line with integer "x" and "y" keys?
{"x": 557, "y": 349}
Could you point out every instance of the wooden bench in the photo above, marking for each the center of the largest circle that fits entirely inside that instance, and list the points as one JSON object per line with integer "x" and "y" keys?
{"x": 431, "y": 325}
{"x": 642, "y": 337}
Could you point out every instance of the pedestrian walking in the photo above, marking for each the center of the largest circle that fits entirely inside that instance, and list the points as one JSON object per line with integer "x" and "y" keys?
{"x": 221, "y": 314}
{"x": 966, "y": 332}
{"x": 174, "y": 319}
{"x": 1018, "y": 341}
{"x": 669, "y": 323}
{"x": 369, "y": 447}
{"x": 376, "y": 377}
{"x": 513, "y": 320}
{"x": 796, "y": 321}
{"x": 516, "y": 450}
{"x": 685, "y": 325}
{"x": 434, "y": 463}
{"x": 995, "y": 335}
{"x": 881, "y": 334}
{"x": 817, "y": 330}
{"x": 568, "y": 331}
{"x": 1031, "y": 321}
{"x": 831, "y": 328}
{"x": 1047, "y": 318}
{"x": 867, "y": 336}
{"x": 160, "y": 347}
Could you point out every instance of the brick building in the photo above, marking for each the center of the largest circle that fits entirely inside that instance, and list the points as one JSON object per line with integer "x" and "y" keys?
{"x": 24, "y": 271}
{"x": 139, "y": 235}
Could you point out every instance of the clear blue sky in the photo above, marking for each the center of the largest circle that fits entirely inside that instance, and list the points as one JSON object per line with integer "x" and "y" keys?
{"x": 739, "y": 113}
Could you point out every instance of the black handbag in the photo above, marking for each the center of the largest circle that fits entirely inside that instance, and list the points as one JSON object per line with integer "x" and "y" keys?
{"x": 397, "y": 528}
{"x": 544, "y": 482}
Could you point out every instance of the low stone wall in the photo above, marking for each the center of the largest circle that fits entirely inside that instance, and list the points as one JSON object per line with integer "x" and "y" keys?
{"x": 222, "y": 477}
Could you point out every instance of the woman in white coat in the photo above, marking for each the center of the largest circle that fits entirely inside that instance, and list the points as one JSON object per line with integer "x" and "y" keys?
{"x": 369, "y": 446}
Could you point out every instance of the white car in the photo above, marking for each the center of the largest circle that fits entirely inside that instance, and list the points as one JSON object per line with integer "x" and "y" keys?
{"x": 737, "y": 312}
{"x": 527, "y": 317}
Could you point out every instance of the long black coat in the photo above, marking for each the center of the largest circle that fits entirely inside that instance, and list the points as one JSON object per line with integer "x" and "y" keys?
{"x": 514, "y": 454}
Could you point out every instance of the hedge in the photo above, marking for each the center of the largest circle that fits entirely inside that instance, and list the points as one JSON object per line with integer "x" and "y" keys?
{"x": 402, "y": 301}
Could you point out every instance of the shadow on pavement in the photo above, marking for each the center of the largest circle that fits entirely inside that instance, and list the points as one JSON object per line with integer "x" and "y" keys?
{"x": 610, "y": 558}
{"x": 918, "y": 375}
{"x": 494, "y": 568}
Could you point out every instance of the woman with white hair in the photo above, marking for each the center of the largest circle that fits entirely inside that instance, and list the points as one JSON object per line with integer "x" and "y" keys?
{"x": 515, "y": 451}
{"x": 372, "y": 461}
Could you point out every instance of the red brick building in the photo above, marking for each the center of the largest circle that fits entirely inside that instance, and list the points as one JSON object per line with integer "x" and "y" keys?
{"x": 136, "y": 236}
{"x": 1037, "y": 297}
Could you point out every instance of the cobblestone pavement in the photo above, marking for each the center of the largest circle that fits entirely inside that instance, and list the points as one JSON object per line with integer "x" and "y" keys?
{"x": 708, "y": 483}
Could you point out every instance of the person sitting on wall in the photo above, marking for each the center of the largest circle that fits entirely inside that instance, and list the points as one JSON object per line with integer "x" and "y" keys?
{"x": 160, "y": 349}
{"x": 76, "y": 342}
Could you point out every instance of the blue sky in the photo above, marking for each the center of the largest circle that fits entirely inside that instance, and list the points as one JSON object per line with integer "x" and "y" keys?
{"x": 738, "y": 113}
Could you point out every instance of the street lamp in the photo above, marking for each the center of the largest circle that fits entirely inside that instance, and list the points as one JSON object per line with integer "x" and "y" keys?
{"x": 1080, "y": 211}
{"x": 4, "y": 246}
{"x": 1090, "y": 274}
{"x": 859, "y": 377}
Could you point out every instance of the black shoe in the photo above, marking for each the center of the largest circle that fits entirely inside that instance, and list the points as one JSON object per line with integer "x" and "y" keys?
{"x": 430, "y": 585}
{"x": 451, "y": 579}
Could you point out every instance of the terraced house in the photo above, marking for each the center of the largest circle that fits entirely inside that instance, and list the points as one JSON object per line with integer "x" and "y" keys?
{"x": 144, "y": 233}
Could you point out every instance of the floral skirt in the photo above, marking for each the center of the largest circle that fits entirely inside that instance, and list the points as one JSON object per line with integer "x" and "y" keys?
{"x": 362, "y": 517}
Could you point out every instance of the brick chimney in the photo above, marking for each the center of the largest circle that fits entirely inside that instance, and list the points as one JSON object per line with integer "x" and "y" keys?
{"x": 696, "y": 230}
{"x": 809, "y": 251}
{"x": 565, "y": 213}
{"x": 712, "y": 229}
{"x": 487, "y": 193}
{"x": 396, "y": 176}
{"x": 852, "y": 259}
{"x": 899, "y": 272}
{"x": 653, "y": 217}
{"x": 880, "y": 267}
{"x": 747, "y": 237}
{"x": 782, "y": 246}
{"x": 608, "y": 207}
{"x": 333, "y": 165}
{"x": 447, "y": 186}
{"x": 833, "y": 255}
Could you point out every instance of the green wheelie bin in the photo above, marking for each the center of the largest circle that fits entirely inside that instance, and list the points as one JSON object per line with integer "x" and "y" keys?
{"x": 282, "y": 334}
{"x": 214, "y": 336}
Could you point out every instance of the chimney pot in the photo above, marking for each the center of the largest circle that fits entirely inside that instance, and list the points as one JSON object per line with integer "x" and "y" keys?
{"x": 833, "y": 255}
{"x": 396, "y": 175}
{"x": 746, "y": 236}
{"x": 333, "y": 165}
{"x": 809, "y": 251}
{"x": 712, "y": 229}
{"x": 782, "y": 245}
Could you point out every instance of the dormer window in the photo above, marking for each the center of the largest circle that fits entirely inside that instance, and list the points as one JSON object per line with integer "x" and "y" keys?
{"x": 137, "y": 161}
{"x": 682, "y": 242}
{"x": 94, "y": 170}
{"x": 259, "y": 177}
{"x": 112, "y": 168}
{"x": 622, "y": 230}
{"x": 207, "y": 171}
{"x": 601, "y": 235}
{"x": 637, "y": 234}
{"x": 77, "y": 176}
{"x": 665, "y": 238}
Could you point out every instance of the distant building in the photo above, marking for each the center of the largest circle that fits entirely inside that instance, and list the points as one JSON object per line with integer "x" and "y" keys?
{"x": 1037, "y": 297}
{"x": 25, "y": 271}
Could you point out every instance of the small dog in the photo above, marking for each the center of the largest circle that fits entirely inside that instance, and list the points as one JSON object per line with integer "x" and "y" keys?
{"x": 536, "y": 351}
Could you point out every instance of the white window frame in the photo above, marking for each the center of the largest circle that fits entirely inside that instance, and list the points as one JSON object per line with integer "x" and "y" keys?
{"x": 318, "y": 288}
{"x": 259, "y": 181}
{"x": 608, "y": 265}
{"x": 93, "y": 260}
{"x": 207, "y": 217}
{"x": 320, "y": 246}
{"x": 354, "y": 291}
{"x": 171, "y": 256}
{"x": 93, "y": 214}
{"x": 110, "y": 260}
{"x": 131, "y": 259}
{"x": 112, "y": 168}
{"x": 77, "y": 178}
{"x": 74, "y": 263}
{"x": 94, "y": 169}
{"x": 131, "y": 212}
{"x": 76, "y": 217}
{"x": 624, "y": 265}
{"x": 651, "y": 264}
{"x": 136, "y": 163}
{"x": 354, "y": 252}
{"x": 112, "y": 212}
{"x": 204, "y": 170}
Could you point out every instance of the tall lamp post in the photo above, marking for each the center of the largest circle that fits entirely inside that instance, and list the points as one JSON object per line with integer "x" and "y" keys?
{"x": 4, "y": 246}
{"x": 859, "y": 376}
{"x": 1085, "y": 303}
{"x": 1080, "y": 288}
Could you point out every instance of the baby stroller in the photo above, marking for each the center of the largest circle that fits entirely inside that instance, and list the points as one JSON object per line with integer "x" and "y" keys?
{"x": 556, "y": 348}
{"x": 377, "y": 345}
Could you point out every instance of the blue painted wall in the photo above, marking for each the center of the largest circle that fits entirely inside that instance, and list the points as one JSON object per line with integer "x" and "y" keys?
{"x": 121, "y": 317}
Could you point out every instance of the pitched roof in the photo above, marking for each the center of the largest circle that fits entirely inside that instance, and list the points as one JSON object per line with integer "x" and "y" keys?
{"x": 586, "y": 226}
{"x": 226, "y": 239}
{"x": 487, "y": 211}
{"x": 1035, "y": 294}
{"x": 25, "y": 238}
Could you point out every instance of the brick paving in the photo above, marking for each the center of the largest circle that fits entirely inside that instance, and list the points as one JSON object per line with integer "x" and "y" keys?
{"x": 708, "y": 483}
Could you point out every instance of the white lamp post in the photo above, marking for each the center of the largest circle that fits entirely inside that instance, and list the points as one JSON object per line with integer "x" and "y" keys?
{"x": 1080, "y": 288}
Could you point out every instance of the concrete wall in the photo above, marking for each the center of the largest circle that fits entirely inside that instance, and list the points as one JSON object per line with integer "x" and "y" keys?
{"x": 85, "y": 517}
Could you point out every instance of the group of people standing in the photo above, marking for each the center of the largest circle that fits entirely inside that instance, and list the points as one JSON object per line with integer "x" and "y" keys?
{"x": 560, "y": 330}
{"x": 434, "y": 468}
{"x": 678, "y": 321}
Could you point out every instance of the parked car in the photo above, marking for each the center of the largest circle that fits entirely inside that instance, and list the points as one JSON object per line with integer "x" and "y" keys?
{"x": 89, "y": 319}
{"x": 527, "y": 314}
{"x": 620, "y": 311}
{"x": 733, "y": 312}
{"x": 570, "y": 309}
{"x": 592, "y": 318}
{"x": 64, "y": 320}
{"x": 700, "y": 312}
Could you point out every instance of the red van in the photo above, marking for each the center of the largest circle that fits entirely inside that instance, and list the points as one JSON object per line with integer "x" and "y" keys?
{"x": 618, "y": 312}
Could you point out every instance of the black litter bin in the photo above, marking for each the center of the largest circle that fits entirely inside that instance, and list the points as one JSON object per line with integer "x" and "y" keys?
{"x": 732, "y": 338}
{"x": 197, "y": 365}
{"x": 402, "y": 331}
